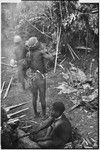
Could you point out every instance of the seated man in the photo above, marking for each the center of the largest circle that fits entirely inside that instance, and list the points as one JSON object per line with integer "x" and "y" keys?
{"x": 59, "y": 130}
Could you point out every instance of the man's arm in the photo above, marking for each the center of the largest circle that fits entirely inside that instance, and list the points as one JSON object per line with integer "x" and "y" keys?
{"x": 43, "y": 139}
{"x": 25, "y": 50}
{"x": 50, "y": 143}
{"x": 54, "y": 140}
{"x": 46, "y": 125}
{"x": 47, "y": 55}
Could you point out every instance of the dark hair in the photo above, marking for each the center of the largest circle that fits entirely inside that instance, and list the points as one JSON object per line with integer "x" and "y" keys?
{"x": 59, "y": 107}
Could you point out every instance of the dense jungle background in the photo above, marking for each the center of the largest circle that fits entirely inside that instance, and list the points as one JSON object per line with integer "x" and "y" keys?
{"x": 69, "y": 31}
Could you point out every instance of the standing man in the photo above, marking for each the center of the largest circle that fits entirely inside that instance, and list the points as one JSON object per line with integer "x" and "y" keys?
{"x": 37, "y": 66}
{"x": 19, "y": 57}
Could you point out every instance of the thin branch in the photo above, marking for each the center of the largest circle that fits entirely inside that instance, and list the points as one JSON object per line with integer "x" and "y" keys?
{"x": 62, "y": 61}
{"x": 71, "y": 51}
{"x": 37, "y": 29}
{"x": 2, "y": 86}
{"x": 5, "y": 64}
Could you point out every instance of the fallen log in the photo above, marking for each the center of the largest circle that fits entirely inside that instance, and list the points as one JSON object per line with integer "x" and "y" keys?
{"x": 13, "y": 114}
{"x": 12, "y": 121}
{"x": 15, "y": 119}
{"x": 14, "y": 106}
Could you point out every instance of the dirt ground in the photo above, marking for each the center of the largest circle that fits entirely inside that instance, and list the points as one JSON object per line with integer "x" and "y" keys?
{"x": 80, "y": 118}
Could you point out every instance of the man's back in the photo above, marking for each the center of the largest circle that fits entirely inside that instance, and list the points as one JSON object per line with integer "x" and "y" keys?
{"x": 62, "y": 129}
{"x": 37, "y": 59}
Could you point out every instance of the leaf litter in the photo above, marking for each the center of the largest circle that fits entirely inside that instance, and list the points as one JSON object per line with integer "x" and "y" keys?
{"x": 83, "y": 94}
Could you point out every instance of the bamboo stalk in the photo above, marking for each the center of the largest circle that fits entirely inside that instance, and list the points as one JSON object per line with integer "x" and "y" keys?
{"x": 6, "y": 93}
{"x": 57, "y": 47}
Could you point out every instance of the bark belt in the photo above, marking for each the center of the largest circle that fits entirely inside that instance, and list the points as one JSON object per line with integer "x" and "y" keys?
{"x": 34, "y": 75}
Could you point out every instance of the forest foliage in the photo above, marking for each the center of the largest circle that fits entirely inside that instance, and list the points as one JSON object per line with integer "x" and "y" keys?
{"x": 79, "y": 23}
{"x": 61, "y": 26}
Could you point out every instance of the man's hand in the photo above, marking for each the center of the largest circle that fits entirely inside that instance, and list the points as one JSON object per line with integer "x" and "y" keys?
{"x": 48, "y": 56}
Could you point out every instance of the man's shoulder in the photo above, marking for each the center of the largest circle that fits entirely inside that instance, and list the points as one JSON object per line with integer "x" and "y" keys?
{"x": 63, "y": 120}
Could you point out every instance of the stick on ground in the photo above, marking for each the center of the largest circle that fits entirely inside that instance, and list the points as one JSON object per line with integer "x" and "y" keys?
{"x": 5, "y": 64}
{"x": 73, "y": 51}
{"x": 2, "y": 86}
{"x": 6, "y": 93}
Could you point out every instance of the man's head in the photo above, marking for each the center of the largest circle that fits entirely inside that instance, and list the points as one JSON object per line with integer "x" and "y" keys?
{"x": 57, "y": 109}
{"x": 32, "y": 42}
{"x": 17, "y": 39}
